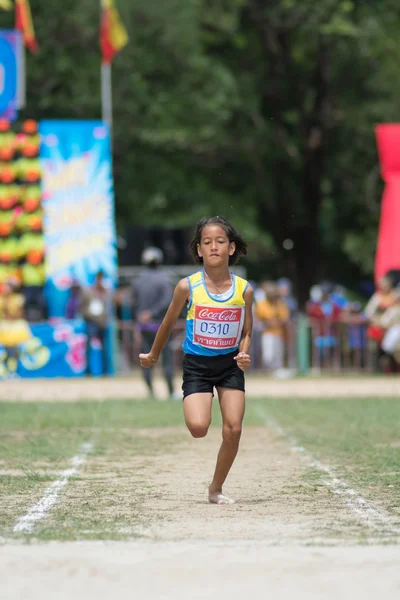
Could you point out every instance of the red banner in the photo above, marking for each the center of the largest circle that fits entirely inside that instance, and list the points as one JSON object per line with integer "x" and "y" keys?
{"x": 388, "y": 246}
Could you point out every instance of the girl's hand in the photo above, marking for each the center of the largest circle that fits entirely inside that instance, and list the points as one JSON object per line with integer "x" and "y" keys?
{"x": 147, "y": 361}
{"x": 243, "y": 360}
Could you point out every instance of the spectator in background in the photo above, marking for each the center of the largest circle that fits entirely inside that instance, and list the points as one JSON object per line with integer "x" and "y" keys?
{"x": 72, "y": 310}
{"x": 285, "y": 292}
{"x": 95, "y": 309}
{"x": 35, "y": 304}
{"x": 273, "y": 315}
{"x": 152, "y": 294}
{"x": 14, "y": 329}
{"x": 324, "y": 314}
{"x": 259, "y": 296}
{"x": 338, "y": 296}
{"x": 380, "y": 301}
{"x": 321, "y": 306}
{"x": 11, "y": 301}
{"x": 355, "y": 321}
{"x": 259, "y": 291}
{"x": 383, "y": 298}
{"x": 390, "y": 322}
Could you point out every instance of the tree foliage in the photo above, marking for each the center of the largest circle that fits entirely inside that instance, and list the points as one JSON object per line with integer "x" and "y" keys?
{"x": 261, "y": 111}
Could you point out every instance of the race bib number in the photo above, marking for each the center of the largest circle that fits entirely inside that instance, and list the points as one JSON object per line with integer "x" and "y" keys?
{"x": 217, "y": 327}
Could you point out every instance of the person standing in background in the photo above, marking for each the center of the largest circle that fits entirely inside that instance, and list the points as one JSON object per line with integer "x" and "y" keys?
{"x": 152, "y": 294}
{"x": 390, "y": 321}
{"x": 380, "y": 301}
{"x": 95, "y": 308}
{"x": 72, "y": 310}
{"x": 274, "y": 315}
{"x": 14, "y": 329}
{"x": 285, "y": 292}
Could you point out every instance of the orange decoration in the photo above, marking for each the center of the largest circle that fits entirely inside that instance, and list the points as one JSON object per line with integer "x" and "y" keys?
{"x": 35, "y": 257}
{"x": 7, "y": 174}
{"x": 6, "y": 153}
{"x": 30, "y": 126}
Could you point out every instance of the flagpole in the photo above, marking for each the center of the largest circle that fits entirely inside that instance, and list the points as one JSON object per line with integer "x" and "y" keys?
{"x": 21, "y": 87}
{"x": 106, "y": 95}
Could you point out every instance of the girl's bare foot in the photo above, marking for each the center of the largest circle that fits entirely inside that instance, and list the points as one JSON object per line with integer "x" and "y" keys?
{"x": 217, "y": 497}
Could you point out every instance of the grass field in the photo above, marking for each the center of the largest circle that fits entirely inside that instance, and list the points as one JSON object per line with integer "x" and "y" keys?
{"x": 145, "y": 478}
{"x": 107, "y": 496}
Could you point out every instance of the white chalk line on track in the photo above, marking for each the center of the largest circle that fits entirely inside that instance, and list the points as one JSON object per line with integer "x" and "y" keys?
{"x": 38, "y": 511}
{"x": 364, "y": 511}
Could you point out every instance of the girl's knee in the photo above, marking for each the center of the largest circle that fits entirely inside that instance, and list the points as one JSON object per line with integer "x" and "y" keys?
{"x": 231, "y": 432}
{"x": 198, "y": 430}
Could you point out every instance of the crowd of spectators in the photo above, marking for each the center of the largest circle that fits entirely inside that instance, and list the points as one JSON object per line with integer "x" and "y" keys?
{"x": 144, "y": 303}
{"x": 373, "y": 328}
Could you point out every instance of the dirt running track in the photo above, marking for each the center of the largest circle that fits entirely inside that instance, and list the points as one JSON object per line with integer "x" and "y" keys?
{"x": 127, "y": 388}
{"x": 197, "y": 571}
{"x": 280, "y": 541}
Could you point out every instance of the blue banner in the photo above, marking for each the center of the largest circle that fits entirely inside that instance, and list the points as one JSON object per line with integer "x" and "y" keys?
{"x": 78, "y": 203}
{"x": 9, "y": 51}
{"x": 48, "y": 350}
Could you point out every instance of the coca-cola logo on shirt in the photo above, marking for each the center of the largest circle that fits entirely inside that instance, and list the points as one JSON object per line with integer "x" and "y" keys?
{"x": 228, "y": 314}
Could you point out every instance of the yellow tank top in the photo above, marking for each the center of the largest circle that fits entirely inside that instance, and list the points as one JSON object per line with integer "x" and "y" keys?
{"x": 213, "y": 326}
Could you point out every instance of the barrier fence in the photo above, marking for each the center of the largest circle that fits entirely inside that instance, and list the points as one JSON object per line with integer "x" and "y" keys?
{"x": 59, "y": 348}
{"x": 316, "y": 345}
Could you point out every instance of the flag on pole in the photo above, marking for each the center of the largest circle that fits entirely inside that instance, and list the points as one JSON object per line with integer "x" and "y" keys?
{"x": 23, "y": 22}
{"x": 113, "y": 35}
{"x": 6, "y": 4}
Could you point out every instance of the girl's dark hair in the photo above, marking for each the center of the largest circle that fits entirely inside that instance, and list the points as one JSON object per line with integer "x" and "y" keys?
{"x": 233, "y": 236}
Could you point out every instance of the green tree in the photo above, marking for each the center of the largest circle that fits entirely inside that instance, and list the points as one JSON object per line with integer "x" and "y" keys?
{"x": 277, "y": 130}
{"x": 262, "y": 111}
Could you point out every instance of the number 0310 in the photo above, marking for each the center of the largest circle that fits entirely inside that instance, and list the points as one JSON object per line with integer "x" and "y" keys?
{"x": 214, "y": 328}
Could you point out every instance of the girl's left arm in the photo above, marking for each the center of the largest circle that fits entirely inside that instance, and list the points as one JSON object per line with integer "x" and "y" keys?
{"x": 243, "y": 358}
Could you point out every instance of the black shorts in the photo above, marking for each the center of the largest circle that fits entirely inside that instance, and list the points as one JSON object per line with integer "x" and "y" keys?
{"x": 202, "y": 373}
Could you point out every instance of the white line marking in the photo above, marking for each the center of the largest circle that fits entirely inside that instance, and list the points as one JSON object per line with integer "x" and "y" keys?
{"x": 353, "y": 500}
{"x": 39, "y": 510}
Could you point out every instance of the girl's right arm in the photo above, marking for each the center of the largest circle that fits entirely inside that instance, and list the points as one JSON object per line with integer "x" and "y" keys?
{"x": 180, "y": 297}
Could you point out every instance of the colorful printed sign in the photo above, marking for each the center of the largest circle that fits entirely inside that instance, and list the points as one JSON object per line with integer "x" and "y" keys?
{"x": 53, "y": 351}
{"x": 78, "y": 204}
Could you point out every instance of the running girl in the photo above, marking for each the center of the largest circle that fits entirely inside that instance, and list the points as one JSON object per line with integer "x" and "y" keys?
{"x": 218, "y": 336}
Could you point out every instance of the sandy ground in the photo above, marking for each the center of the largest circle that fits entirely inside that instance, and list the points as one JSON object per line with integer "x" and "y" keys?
{"x": 273, "y": 503}
{"x": 282, "y": 539}
{"x": 134, "y": 387}
{"x": 191, "y": 571}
